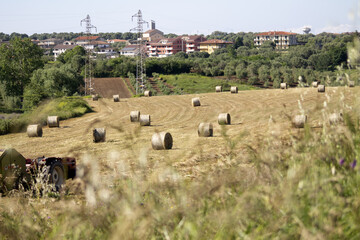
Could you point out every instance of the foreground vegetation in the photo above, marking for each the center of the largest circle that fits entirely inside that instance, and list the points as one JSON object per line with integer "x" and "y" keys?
{"x": 64, "y": 108}
{"x": 303, "y": 184}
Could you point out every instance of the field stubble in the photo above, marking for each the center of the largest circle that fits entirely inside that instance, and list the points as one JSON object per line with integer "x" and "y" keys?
{"x": 251, "y": 112}
{"x": 244, "y": 182}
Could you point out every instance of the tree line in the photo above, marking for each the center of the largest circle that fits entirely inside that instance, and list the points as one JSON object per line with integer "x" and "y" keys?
{"x": 27, "y": 77}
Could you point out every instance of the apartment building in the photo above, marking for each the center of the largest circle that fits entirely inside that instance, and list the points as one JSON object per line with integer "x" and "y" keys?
{"x": 166, "y": 47}
{"x": 153, "y": 34}
{"x": 211, "y": 45}
{"x": 282, "y": 40}
{"x": 193, "y": 43}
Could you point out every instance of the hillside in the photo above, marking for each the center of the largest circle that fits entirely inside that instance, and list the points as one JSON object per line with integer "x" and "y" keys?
{"x": 250, "y": 113}
{"x": 107, "y": 87}
{"x": 258, "y": 178}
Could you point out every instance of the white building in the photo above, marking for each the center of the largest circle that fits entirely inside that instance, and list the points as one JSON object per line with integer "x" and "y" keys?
{"x": 61, "y": 48}
{"x": 281, "y": 39}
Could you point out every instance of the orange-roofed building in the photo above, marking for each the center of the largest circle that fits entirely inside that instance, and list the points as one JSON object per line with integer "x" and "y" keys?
{"x": 193, "y": 43}
{"x": 281, "y": 39}
{"x": 211, "y": 45}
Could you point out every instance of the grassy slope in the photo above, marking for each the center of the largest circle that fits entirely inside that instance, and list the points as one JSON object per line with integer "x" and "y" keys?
{"x": 64, "y": 108}
{"x": 193, "y": 83}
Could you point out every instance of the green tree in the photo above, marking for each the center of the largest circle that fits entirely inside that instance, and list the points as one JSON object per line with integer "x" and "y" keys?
{"x": 18, "y": 60}
{"x": 51, "y": 82}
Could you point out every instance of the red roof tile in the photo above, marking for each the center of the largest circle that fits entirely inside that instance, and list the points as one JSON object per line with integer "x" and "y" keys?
{"x": 87, "y": 38}
{"x": 215, "y": 41}
{"x": 273, "y": 33}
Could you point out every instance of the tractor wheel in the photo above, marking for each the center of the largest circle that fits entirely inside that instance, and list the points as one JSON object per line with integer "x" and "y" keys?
{"x": 55, "y": 174}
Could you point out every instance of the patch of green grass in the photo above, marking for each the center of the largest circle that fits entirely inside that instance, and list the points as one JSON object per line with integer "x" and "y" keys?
{"x": 193, "y": 83}
{"x": 64, "y": 108}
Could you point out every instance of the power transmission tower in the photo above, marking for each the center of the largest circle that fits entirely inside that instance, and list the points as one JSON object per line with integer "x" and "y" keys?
{"x": 140, "y": 61}
{"x": 88, "y": 27}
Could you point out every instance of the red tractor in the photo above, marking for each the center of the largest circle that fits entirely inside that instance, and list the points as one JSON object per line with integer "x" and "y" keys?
{"x": 16, "y": 170}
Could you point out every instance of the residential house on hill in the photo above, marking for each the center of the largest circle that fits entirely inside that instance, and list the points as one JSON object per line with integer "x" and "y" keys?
{"x": 126, "y": 42}
{"x": 61, "y": 48}
{"x": 166, "y": 47}
{"x": 211, "y": 45}
{"x": 281, "y": 39}
{"x": 85, "y": 40}
{"x": 130, "y": 50}
{"x": 49, "y": 43}
{"x": 153, "y": 35}
{"x": 193, "y": 43}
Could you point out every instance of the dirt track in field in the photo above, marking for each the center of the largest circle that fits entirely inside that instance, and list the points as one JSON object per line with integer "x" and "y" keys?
{"x": 250, "y": 112}
{"x": 107, "y": 87}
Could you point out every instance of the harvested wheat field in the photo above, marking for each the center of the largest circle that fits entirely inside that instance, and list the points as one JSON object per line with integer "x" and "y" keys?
{"x": 255, "y": 115}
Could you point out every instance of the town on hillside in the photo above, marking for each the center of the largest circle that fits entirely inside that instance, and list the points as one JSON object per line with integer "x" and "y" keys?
{"x": 156, "y": 44}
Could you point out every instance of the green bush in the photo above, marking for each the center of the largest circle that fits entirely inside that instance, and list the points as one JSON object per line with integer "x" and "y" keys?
{"x": 4, "y": 126}
{"x": 64, "y": 108}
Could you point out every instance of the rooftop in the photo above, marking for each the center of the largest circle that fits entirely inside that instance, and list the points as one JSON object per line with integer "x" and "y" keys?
{"x": 273, "y": 33}
{"x": 218, "y": 41}
{"x": 87, "y": 38}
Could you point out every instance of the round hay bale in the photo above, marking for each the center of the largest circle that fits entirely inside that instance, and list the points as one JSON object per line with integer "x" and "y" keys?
{"x": 161, "y": 141}
{"x": 99, "y": 135}
{"x": 218, "y": 89}
{"x": 283, "y": 85}
{"x": 315, "y": 84}
{"x": 147, "y": 93}
{"x": 224, "y": 119}
{"x": 351, "y": 83}
{"x": 234, "y": 89}
{"x": 335, "y": 118}
{"x": 116, "y": 98}
{"x": 53, "y": 121}
{"x": 144, "y": 120}
{"x": 95, "y": 97}
{"x": 205, "y": 130}
{"x": 34, "y": 130}
{"x": 321, "y": 88}
{"x": 195, "y": 102}
{"x": 299, "y": 121}
{"x": 134, "y": 116}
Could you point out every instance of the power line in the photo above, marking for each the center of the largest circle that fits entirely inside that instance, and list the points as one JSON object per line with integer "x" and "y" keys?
{"x": 141, "y": 55}
{"x": 88, "y": 27}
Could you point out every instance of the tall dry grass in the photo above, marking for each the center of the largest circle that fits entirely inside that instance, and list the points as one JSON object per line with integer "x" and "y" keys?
{"x": 301, "y": 185}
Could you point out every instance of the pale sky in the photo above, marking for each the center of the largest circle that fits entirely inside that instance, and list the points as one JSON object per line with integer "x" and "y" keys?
{"x": 181, "y": 17}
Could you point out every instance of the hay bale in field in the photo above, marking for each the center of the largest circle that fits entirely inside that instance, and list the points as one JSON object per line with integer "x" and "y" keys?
{"x": 161, "y": 141}
{"x": 224, "y": 119}
{"x": 205, "y": 130}
{"x": 134, "y": 116}
{"x": 351, "y": 83}
{"x": 53, "y": 121}
{"x": 234, "y": 89}
{"x": 99, "y": 135}
{"x": 315, "y": 84}
{"x": 335, "y": 118}
{"x": 299, "y": 121}
{"x": 218, "y": 89}
{"x": 144, "y": 120}
{"x": 147, "y": 93}
{"x": 34, "y": 130}
{"x": 116, "y": 98}
{"x": 321, "y": 88}
{"x": 195, "y": 102}
{"x": 95, "y": 97}
{"x": 283, "y": 85}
